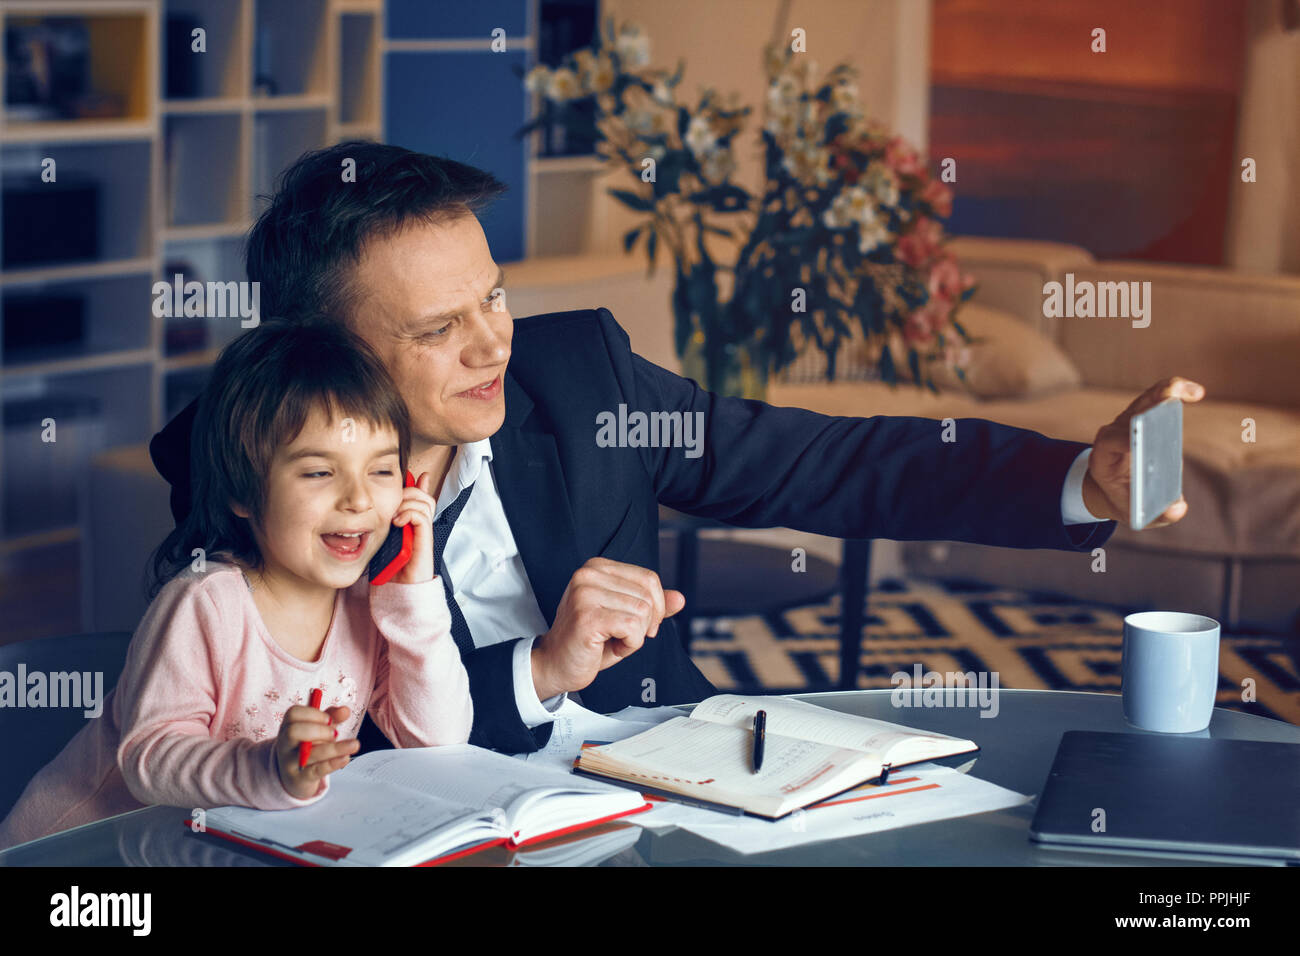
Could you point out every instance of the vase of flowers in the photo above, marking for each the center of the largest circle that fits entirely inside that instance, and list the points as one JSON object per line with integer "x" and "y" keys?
{"x": 843, "y": 242}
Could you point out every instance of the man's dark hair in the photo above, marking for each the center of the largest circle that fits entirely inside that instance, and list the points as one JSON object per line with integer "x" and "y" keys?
{"x": 306, "y": 242}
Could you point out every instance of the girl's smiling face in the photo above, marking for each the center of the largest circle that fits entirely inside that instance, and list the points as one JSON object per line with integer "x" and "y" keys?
{"x": 330, "y": 500}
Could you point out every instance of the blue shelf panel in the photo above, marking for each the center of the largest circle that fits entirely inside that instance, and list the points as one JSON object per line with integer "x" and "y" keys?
{"x": 455, "y": 19}
{"x": 466, "y": 106}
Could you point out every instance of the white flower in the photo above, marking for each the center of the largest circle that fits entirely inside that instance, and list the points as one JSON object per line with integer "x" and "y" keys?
{"x": 880, "y": 179}
{"x": 564, "y": 85}
{"x": 663, "y": 92}
{"x": 538, "y": 79}
{"x": 854, "y": 203}
{"x": 831, "y": 217}
{"x": 844, "y": 96}
{"x": 601, "y": 77}
{"x": 641, "y": 122}
{"x": 783, "y": 92}
{"x": 717, "y": 166}
{"x": 871, "y": 233}
{"x": 700, "y": 137}
{"x": 657, "y": 152}
{"x": 633, "y": 47}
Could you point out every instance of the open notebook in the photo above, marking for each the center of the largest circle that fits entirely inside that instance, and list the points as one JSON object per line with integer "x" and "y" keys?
{"x": 811, "y": 753}
{"x": 421, "y": 805}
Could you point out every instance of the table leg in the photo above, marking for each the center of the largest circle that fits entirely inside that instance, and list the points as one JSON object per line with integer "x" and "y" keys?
{"x": 855, "y": 569}
{"x": 688, "y": 570}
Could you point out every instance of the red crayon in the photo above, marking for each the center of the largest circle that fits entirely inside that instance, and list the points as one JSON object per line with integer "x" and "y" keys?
{"x": 304, "y": 749}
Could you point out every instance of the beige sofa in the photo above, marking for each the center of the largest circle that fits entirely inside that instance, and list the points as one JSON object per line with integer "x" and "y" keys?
{"x": 1236, "y": 556}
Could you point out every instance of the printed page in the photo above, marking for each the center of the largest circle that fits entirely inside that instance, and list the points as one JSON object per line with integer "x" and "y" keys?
{"x": 797, "y": 718}
{"x": 916, "y": 795}
{"x": 575, "y": 724}
{"x": 382, "y": 824}
{"x": 495, "y": 783}
{"x": 715, "y": 762}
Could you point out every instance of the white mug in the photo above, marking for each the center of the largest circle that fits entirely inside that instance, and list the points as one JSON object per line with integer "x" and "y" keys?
{"x": 1170, "y": 671}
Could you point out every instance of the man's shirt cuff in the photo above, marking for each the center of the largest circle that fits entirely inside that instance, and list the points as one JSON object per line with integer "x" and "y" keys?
{"x": 1073, "y": 510}
{"x": 532, "y": 710}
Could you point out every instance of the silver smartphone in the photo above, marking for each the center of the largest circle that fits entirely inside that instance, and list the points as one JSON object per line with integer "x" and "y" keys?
{"x": 1156, "y": 447}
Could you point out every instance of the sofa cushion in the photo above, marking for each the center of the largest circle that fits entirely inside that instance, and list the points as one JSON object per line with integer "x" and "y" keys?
{"x": 1243, "y": 497}
{"x": 1011, "y": 359}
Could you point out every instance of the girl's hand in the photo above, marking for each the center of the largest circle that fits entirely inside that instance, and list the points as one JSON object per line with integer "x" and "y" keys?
{"x": 417, "y": 507}
{"x": 327, "y": 753}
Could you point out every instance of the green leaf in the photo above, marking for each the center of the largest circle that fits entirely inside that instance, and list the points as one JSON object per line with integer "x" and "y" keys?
{"x": 630, "y": 238}
{"x": 651, "y": 244}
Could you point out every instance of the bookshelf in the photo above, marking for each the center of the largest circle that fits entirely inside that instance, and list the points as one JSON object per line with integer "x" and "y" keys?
{"x": 177, "y": 144}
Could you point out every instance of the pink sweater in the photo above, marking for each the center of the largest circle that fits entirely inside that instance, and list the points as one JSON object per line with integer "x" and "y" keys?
{"x": 193, "y": 720}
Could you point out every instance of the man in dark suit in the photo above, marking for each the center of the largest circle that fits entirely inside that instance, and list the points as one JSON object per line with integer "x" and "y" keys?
{"x": 550, "y": 477}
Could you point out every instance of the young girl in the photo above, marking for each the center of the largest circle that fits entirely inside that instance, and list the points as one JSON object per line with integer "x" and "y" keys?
{"x": 260, "y": 596}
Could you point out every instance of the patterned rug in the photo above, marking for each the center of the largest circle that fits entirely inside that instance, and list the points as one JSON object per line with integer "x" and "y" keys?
{"x": 1033, "y": 640}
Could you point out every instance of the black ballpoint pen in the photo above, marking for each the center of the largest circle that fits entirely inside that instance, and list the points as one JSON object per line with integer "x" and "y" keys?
{"x": 760, "y": 735}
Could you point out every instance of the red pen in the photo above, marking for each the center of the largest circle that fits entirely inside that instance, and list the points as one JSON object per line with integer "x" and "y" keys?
{"x": 304, "y": 748}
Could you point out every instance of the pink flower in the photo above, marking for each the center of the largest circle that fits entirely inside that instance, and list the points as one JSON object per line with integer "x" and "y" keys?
{"x": 939, "y": 198}
{"x": 902, "y": 158}
{"x": 920, "y": 243}
{"x": 920, "y": 326}
{"x": 945, "y": 279}
{"x": 916, "y": 328}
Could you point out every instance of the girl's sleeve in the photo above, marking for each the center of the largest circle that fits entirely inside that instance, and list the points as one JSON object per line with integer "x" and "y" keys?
{"x": 421, "y": 693}
{"x": 168, "y": 695}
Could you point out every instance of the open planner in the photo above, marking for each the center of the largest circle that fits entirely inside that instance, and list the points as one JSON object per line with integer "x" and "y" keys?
{"x": 424, "y": 805}
{"x": 811, "y": 753}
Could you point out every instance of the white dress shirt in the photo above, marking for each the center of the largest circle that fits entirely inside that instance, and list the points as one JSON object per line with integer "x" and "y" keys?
{"x": 487, "y": 574}
{"x": 491, "y": 586}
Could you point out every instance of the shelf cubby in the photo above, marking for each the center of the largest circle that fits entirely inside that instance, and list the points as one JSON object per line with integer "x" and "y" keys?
{"x": 221, "y": 70}
{"x": 280, "y": 137}
{"x": 89, "y": 411}
{"x": 123, "y": 203}
{"x": 114, "y": 314}
{"x": 218, "y": 260}
{"x": 290, "y": 48}
{"x": 203, "y": 160}
{"x": 120, "y": 67}
{"x": 358, "y": 75}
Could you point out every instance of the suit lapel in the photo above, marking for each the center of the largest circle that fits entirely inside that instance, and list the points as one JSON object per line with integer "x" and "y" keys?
{"x": 530, "y": 482}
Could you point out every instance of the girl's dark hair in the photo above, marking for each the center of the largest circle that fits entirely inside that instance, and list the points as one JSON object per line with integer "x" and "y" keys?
{"x": 263, "y": 388}
{"x": 307, "y": 241}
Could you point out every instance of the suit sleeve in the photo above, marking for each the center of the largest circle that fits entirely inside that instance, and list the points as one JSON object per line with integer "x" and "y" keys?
{"x": 497, "y": 724}
{"x": 899, "y": 477}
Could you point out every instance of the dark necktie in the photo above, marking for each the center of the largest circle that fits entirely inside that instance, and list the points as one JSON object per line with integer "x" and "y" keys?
{"x": 442, "y": 527}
